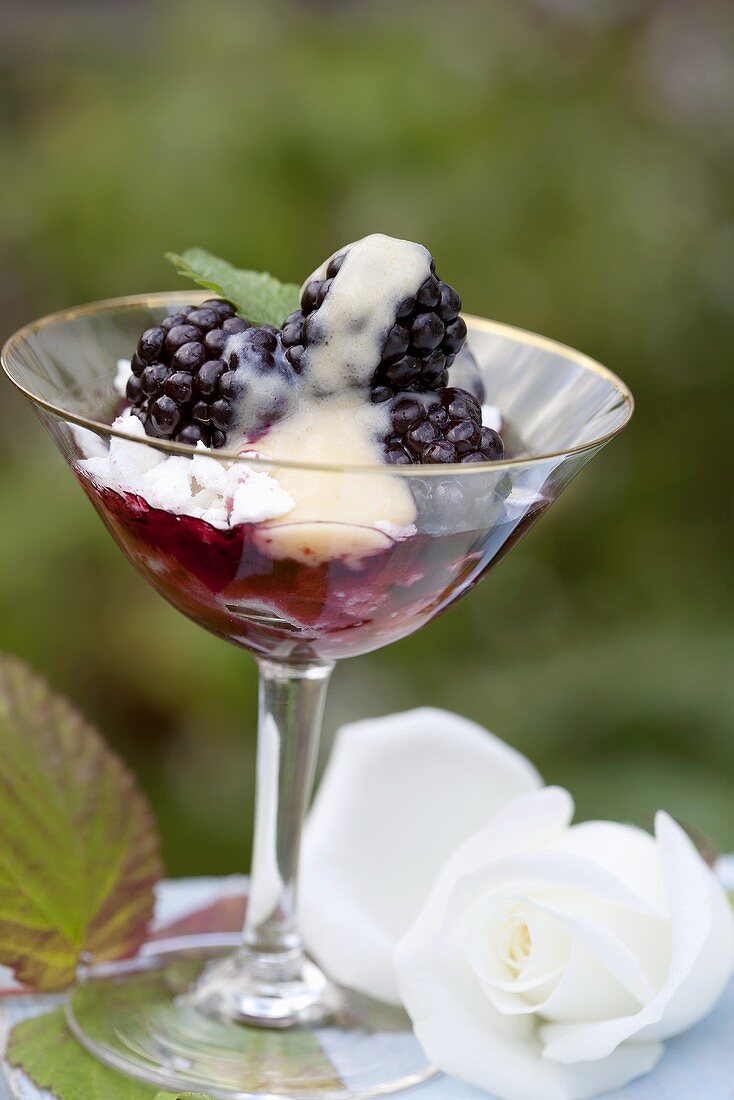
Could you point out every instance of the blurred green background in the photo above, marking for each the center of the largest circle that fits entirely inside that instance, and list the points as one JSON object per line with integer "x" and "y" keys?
{"x": 570, "y": 163}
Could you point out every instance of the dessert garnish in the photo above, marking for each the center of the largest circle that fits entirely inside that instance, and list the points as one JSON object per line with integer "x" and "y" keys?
{"x": 372, "y": 370}
{"x": 287, "y": 518}
{"x": 371, "y": 344}
{"x": 424, "y": 334}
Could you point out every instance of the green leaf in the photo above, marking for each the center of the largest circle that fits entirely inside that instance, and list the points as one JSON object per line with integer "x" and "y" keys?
{"x": 138, "y": 1011}
{"x": 256, "y": 295}
{"x": 79, "y": 853}
{"x": 48, "y": 1053}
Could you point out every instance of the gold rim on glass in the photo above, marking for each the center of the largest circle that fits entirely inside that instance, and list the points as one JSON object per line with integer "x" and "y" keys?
{"x": 162, "y": 299}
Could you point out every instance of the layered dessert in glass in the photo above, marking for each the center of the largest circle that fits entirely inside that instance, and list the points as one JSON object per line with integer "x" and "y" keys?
{"x": 373, "y": 370}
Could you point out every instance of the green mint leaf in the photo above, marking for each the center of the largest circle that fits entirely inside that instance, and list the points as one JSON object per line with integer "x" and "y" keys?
{"x": 48, "y": 1053}
{"x": 79, "y": 852}
{"x": 260, "y": 297}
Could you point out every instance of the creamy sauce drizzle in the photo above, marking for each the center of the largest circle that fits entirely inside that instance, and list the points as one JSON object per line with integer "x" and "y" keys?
{"x": 334, "y": 423}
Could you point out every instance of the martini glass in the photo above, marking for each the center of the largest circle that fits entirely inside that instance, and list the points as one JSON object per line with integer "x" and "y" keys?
{"x": 254, "y": 1017}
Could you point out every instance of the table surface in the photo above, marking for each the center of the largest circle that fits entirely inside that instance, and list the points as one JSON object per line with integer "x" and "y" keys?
{"x": 696, "y": 1066}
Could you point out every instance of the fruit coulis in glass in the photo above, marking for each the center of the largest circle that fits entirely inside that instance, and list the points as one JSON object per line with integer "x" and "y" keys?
{"x": 284, "y": 608}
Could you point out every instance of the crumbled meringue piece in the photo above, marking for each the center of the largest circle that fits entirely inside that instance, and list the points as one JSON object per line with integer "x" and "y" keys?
{"x": 221, "y": 493}
{"x": 122, "y": 373}
{"x": 168, "y": 485}
{"x": 259, "y": 497}
{"x": 491, "y": 417}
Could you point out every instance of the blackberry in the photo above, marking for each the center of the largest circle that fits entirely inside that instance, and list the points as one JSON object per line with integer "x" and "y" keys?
{"x": 419, "y": 348}
{"x": 182, "y": 387}
{"x": 257, "y": 386}
{"x": 168, "y": 364}
{"x": 444, "y": 425}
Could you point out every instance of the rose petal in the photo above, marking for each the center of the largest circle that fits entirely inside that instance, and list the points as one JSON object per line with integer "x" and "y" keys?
{"x": 551, "y": 948}
{"x": 701, "y": 965}
{"x": 460, "y": 1031}
{"x": 632, "y": 856}
{"x": 506, "y": 1061}
{"x": 602, "y": 976}
{"x": 481, "y": 867}
{"x": 400, "y": 794}
{"x": 699, "y": 991}
{"x": 628, "y": 853}
{"x": 515, "y": 988}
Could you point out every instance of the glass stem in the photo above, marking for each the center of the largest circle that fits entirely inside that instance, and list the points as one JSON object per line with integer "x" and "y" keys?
{"x": 268, "y": 981}
{"x": 289, "y": 727}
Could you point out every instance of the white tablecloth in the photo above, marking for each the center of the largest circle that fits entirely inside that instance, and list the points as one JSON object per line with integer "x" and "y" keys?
{"x": 696, "y": 1066}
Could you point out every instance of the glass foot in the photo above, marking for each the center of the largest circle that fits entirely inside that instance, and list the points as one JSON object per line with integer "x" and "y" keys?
{"x": 265, "y": 990}
{"x": 160, "y": 1018}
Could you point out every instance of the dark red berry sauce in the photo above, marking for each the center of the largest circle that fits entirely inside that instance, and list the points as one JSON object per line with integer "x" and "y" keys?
{"x": 283, "y": 608}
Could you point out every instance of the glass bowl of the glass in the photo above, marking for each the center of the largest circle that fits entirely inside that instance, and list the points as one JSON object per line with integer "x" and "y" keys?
{"x": 367, "y": 555}
{"x": 301, "y": 564}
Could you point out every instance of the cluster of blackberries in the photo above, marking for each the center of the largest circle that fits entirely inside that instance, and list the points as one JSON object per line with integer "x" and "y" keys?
{"x": 430, "y": 422}
{"x": 181, "y": 386}
{"x": 444, "y": 425}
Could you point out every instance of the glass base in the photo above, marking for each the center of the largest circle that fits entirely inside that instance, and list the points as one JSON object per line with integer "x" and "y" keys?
{"x": 148, "y": 1018}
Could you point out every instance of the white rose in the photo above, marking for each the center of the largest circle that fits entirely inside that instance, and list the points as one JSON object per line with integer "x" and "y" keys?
{"x": 551, "y": 961}
{"x": 399, "y": 795}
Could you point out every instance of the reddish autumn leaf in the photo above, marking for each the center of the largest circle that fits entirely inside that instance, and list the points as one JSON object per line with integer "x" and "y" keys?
{"x": 226, "y": 914}
{"x": 79, "y": 853}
